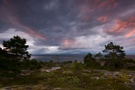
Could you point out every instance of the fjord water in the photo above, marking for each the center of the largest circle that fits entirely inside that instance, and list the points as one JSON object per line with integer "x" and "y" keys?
{"x": 61, "y": 58}
{"x": 58, "y": 58}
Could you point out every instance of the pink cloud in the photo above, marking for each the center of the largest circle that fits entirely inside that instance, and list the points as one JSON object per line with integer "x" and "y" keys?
{"x": 127, "y": 26}
{"x": 119, "y": 26}
{"x": 67, "y": 43}
{"x": 89, "y": 7}
{"x": 102, "y": 19}
{"x": 11, "y": 18}
{"x": 109, "y": 4}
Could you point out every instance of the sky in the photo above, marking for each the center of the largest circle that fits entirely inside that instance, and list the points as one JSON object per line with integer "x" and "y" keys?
{"x": 69, "y": 26}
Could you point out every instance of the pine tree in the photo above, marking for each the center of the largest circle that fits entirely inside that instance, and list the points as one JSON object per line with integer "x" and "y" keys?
{"x": 16, "y": 47}
{"x": 114, "y": 51}
{"x": 114, "y": 55}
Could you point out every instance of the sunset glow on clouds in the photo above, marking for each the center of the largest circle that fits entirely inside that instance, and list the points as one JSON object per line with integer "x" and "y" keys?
{"x": 69, "y": 26}
{"x": 11, "y": 18}
{"x": 126, "y": 26}
{"x": 102, "y": 19}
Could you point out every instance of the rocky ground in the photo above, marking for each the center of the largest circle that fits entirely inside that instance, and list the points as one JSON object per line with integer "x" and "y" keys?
{"x": 57, "y": 78}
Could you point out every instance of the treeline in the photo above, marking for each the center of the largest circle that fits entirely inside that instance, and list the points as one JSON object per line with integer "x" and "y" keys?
{"x": 14, "y": 58}
{"x": 112, "y": 57}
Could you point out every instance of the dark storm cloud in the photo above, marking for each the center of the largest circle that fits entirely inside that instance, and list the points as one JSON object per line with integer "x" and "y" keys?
{"x": 42, "y": 13}
{"x": 40, "y": 51}
{"x": 3, "y": 27}
{"x": 60, "y": 22}
{"x": 1, "y": 40}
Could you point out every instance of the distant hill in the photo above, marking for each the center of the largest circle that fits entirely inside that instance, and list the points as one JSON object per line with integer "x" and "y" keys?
{"x": 130, "y": 56}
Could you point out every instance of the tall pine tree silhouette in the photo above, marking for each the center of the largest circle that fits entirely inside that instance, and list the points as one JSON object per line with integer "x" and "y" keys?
{"x": 16, "y": 47}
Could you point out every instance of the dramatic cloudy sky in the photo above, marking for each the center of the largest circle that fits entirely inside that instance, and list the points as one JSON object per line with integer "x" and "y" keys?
{"x": 69, "y": 26}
